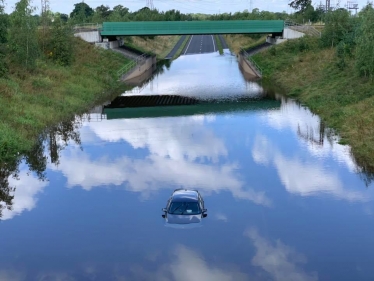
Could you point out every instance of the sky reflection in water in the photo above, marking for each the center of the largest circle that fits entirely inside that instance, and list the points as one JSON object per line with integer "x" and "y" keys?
{"x": 284, "y": 202}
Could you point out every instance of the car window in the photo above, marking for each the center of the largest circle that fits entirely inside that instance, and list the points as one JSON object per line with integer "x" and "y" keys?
{"x": 184, "y": 208}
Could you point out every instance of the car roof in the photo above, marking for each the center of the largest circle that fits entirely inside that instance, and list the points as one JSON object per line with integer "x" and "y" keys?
{"x": 185, "y": 195}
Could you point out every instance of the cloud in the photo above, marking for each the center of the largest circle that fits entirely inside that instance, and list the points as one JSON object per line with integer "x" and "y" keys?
{"x": 304, "y": 179}
{"x": 280, "y": 261}
{"x": 303, "y": 123}
{"x": 187, "y": 260}
{"x": 221, "y": 217}
{"x": 177, "y": 138}
{"x": 184, "y": 264}
{"x": 183, "y": 152}
{"x": 12, "y": 275}
{"x": 27, "y": 187}
{"x": 154, "y": 173}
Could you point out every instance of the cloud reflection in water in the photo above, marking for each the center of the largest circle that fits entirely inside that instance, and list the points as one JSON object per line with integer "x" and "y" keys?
{"x": 182, "y": 152}
{"x": 300, "y": 177}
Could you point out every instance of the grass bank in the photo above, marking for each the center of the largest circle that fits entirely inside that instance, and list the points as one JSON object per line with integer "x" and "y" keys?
{"x": 218, "y": 44}
{"x": 342, "y": 99}
{"x": 238, "y": 41}
{"x": 30, "y": 102}
{"x": 181, "y": 48}
{"x": 158, "y": 45}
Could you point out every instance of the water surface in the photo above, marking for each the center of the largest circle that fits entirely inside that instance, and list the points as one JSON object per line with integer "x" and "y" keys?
{"x": 285, "y": 201}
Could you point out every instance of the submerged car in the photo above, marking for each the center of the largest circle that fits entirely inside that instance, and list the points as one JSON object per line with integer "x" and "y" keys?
{"x": 185, "y": 206}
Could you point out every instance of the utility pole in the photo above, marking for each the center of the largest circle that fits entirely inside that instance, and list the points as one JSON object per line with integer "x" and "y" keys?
{"x": 327, "y": 5}
{"x": 250, "y": 6}
{"x": 44, "y": 18}
{"x": 149, "y": 4}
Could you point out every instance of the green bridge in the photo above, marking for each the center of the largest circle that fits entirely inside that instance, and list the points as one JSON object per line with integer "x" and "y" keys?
{"x": 274, "y": 27}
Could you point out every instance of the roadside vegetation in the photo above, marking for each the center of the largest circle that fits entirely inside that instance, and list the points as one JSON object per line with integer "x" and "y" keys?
{"x": 218, "y": 44}
{"x": 158, "y": 45}
{"x": 333, "y": 76}
{"x": 181, "y": 48}
{"x": 236, "y": 42}
{"x": 46, "y": 76}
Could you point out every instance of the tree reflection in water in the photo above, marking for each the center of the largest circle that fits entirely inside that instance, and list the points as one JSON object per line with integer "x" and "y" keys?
{"x": 49, "y": 144}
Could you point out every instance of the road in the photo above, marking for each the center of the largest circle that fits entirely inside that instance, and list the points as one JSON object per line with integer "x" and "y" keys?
{"x": 200, "y": 44}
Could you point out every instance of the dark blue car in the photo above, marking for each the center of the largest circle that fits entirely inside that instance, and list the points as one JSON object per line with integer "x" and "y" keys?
{"x": 184, "y": 207}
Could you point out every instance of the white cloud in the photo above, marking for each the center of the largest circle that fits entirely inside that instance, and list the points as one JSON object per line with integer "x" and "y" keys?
{"x": 221, "y": 217}
{"x": 302, "y": 122}
{"x": 187, "y": 260}
{"x": 11, "y": 275}
{"x": 184, "y": 265}
{"x": 280, "y": 261}
{"x": 304, "y": 179}
{"x": 27, "y": 187}
{"x": 183, "y": 152}
{"x": 154, "y": 173}
{"x": 177, "y": 138}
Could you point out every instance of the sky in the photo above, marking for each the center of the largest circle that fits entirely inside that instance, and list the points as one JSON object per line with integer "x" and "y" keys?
{"x": 185, "y": 6}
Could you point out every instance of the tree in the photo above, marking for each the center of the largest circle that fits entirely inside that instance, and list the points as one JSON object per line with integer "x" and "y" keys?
{"x": 103, "y": 11}
{"x": 60, "y": 48}
{"x": 365, "y": 43}
{"x": 338, "y": 24}
{"x": 81, "y": 12}
{"x": 300, "y": 5}
{"x": 23, "y": 39}
{"x": 64, "y": 18}
{"x": 4, "y": 23}
{"x": 119, "y": 13}
{"x": 6, "y": 191}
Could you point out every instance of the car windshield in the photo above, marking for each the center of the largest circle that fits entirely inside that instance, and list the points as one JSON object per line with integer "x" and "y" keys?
{"x": 184, "y": 208}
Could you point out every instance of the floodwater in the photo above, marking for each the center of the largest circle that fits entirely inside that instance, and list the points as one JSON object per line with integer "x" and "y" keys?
{"x": 285, "y": 201}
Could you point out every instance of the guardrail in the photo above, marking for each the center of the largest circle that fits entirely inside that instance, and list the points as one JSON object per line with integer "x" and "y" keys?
{"x": 252, "y": 62}
{"x": 305, "y": 28}
{"x": 127, "y": 67}
{"x": 87, "y": 26}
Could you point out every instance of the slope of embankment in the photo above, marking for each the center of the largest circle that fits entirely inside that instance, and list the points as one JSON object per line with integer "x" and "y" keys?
{"x": 342, "y": 98}
{"x": 32, "y": 101}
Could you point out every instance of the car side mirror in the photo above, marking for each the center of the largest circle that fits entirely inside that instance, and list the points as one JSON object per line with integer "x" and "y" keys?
{"x": 205, "y": 210}
{"x": 163, "y": 216}
{"x": 205, "y": 215}
{"x": 164, "y": 210}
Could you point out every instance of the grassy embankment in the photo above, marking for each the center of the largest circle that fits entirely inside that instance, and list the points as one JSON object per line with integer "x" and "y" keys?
{"x": 238, "y": 41}
{"x": 30, "y": 102}
{"x": 218, "y": 44}
{"x": 179, "y": 51}
{"x": 340, "y": 97}
{"x": 159, "y": 45}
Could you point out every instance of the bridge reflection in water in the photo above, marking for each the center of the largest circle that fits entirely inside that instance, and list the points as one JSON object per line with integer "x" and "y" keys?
{"x": 199, "y": 107}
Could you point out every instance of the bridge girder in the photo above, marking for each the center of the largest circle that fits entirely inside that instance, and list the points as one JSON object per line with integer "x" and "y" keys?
{"x": 192, "y": 27}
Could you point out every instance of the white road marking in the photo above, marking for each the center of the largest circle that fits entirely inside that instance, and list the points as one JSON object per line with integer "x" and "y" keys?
{"x": 214, "y": 45}
{"x": 188, "y": 45}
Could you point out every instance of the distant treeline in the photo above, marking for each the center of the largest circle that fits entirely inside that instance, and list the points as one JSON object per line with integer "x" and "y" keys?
{"x": 83, "y": 13}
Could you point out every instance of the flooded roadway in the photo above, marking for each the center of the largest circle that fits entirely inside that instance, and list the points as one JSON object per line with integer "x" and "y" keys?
{"x": 285, "y": 201}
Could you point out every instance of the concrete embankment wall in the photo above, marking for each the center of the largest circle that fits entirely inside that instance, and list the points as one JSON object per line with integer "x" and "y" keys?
{"x": 247, "y": 67}
{"x": 140, "y": 69}
{"x": 289, "y": 33}
{"x": 89, "y": 36}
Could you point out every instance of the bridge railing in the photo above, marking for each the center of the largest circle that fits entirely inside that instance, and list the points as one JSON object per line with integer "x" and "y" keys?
{"x": 252, "y": 62}
{"x": 127, "y": 67}
{"x": 87, "y": 27}
{"x": 305, "y": 28}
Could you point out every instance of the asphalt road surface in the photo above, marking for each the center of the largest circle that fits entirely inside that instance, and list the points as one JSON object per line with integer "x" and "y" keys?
{"x": 200, "y": 44}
